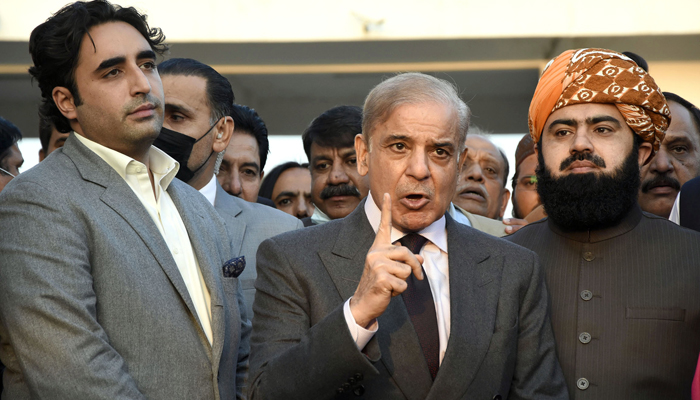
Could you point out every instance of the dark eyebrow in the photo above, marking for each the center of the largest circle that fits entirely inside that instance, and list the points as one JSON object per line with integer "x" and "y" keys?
{"x": 251, "y": 164}
{"x": 319, "y": 158}
{"x": 567, "y": 122}
{"x": 170, "y": 107}
{"x": 285, "y": 194}
{"x": 348, "y": 152}
{"x": 110, "y": 62}
{"x": 146, "y": 54}
{"x": 444, "y": 144}
{"x": 603, "y": 118}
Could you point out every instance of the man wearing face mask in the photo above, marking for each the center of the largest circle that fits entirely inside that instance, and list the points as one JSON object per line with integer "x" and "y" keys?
{"x": 196, "y": 130}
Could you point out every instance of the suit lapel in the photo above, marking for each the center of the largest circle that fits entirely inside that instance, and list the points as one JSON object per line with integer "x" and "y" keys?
{"x": 396, "y": 338}
{"x": 209, "y": 265}
{"x": 120, "y": 198}
{"x": 474, "y": 292}
{"x": 236, "y": 229}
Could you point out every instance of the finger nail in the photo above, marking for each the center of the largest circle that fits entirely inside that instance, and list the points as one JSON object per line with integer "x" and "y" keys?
{"x": 509, "y": 228}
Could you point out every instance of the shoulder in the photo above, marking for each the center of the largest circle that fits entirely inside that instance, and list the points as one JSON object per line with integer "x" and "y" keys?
{"x": 315, "y": 237}
{"x": 257, "y": 214}
{"x": 532, "y": 230}
{"x": 651, "y": 224}
{"x": 477, "y": 239}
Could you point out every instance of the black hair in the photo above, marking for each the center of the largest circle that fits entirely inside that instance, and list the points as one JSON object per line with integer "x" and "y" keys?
{"x": 641, "y": 62}
{"x": 9, "y": 135}
{"x": 694, "y": 111}
{"x": 55, "y": 48}
{"x": 220, "y": 95}
{"x": 268, "y": 184}
{"x": 45, "y": 130}
{"x": 334, "y": 128}
{"x": 247, "y": 120}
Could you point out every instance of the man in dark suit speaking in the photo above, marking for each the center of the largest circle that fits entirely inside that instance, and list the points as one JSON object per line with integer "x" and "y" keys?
{"x": 344, "y": 310}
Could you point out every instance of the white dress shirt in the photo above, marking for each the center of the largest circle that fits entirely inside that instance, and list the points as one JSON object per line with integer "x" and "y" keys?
{"x": 436, "y": 267}
{"x": 209, "y": 190}
{"x": 164, "y": 214}
{"x": 675, "y": 215}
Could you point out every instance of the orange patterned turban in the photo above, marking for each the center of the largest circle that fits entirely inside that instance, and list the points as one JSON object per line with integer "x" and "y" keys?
{"x": 601, "y": 76}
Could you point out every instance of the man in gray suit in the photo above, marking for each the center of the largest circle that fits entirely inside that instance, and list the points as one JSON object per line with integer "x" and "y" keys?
{"x": 197, "y": 131}
{"x": 451, "y": 313}
{"x": 131, "y": 296}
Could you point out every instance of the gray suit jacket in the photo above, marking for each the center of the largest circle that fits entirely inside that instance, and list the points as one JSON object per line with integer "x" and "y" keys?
{"x": 92, "y": 304}
{"x": 248, "y": 225}
{"x": 500, "y": 344}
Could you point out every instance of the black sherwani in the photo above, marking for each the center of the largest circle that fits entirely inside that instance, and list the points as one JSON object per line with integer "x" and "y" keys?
{"x": 625, "y": 305}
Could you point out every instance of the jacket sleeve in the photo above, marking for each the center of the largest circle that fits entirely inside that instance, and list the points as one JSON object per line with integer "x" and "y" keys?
{"x": 291, "y": 358}
{"x": 57, "y": 347}
{"x": 537, "y": 374}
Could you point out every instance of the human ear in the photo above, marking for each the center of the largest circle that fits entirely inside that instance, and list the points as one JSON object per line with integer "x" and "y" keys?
{"x": 65, "y": 102}
{"x": 362, "y": 151}
{"x": 224, "y": 131}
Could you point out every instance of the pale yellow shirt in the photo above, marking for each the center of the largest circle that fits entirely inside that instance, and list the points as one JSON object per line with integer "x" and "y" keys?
{"x": 164, "y": 214}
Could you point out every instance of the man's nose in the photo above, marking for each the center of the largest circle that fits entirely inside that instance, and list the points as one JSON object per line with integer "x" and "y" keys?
{"x": 338, "y": 174}
{"x": 233, "y": 185}
{"x": 581, "y": 142}
{"x": 139, "y": 82}
{"x": 473, "y": 172}
{"x": 301, "y": 210}
{"x": 661, "y": 163}
{"x": 418, "y": 166}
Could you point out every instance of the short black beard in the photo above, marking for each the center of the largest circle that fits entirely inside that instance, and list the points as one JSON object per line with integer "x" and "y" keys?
{"x": 578, "y": 202}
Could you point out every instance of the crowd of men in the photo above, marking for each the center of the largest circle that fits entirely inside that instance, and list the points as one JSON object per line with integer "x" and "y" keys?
{"x": 148, "y": 237}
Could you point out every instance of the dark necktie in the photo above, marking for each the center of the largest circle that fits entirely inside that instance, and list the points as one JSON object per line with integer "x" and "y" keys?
{"x": 421, "y": 308}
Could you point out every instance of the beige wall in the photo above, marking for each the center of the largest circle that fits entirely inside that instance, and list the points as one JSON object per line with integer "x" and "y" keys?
{"x": 320, "y": 20}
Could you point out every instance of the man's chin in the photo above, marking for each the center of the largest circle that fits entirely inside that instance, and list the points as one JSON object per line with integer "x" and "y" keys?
{"x": 414, "y": 221}
{"x": 340, "y": 209}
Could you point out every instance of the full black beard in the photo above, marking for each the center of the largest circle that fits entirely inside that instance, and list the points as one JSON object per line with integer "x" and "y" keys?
{"x": 577, "y": 202}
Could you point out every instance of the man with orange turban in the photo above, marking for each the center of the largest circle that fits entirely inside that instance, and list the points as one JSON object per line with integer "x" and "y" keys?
{"x": 624, "y": 285}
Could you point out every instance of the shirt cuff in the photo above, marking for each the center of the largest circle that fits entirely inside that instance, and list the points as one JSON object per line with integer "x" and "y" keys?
{"x": 360, "y": 335}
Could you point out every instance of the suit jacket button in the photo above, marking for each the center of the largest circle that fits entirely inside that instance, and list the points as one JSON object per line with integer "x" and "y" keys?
{"x": 582, "y": 383}
{"x": 345, "y": 386}
{"x": 359, "y": 390}
{"x": 358, "y": 377}
{"x": 352, "y": 381}
{"x": 588, "y": 256}
{"x": 586, "y": 295}
{"x": 497, "y": 397}
{"x": 584, "y": 337}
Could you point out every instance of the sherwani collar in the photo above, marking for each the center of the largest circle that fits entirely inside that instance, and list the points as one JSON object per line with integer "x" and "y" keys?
{"x": 628, "y": 222}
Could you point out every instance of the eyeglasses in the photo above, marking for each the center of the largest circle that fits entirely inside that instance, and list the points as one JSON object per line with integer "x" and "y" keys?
{"x": 7, "y": 173}
{"x": 527, "y": 182}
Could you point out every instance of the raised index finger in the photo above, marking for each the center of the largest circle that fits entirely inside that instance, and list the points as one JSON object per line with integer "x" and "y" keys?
{"x": 384, "y": 231}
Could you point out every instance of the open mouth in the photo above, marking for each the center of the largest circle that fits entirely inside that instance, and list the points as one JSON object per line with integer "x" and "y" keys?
{"x": 414, "y": 201}
{"x": 473, "y": 194}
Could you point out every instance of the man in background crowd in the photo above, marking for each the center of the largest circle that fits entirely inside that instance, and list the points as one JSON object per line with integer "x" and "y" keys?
{"x": 111, "y": 281}
{"x": 10, "y": 157}
{"x": 624, "y": 285}
{"x": 336, "y": 186}
{"x": 481, "y": 196}
{"x": 242, "y": 169}
{"x": 677, "y": 161}
{"x": 197, "y": 129}
{"x": 481, "y": 187}
{"x": 50, "y": 138}
{"x": 288, "y": 185}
